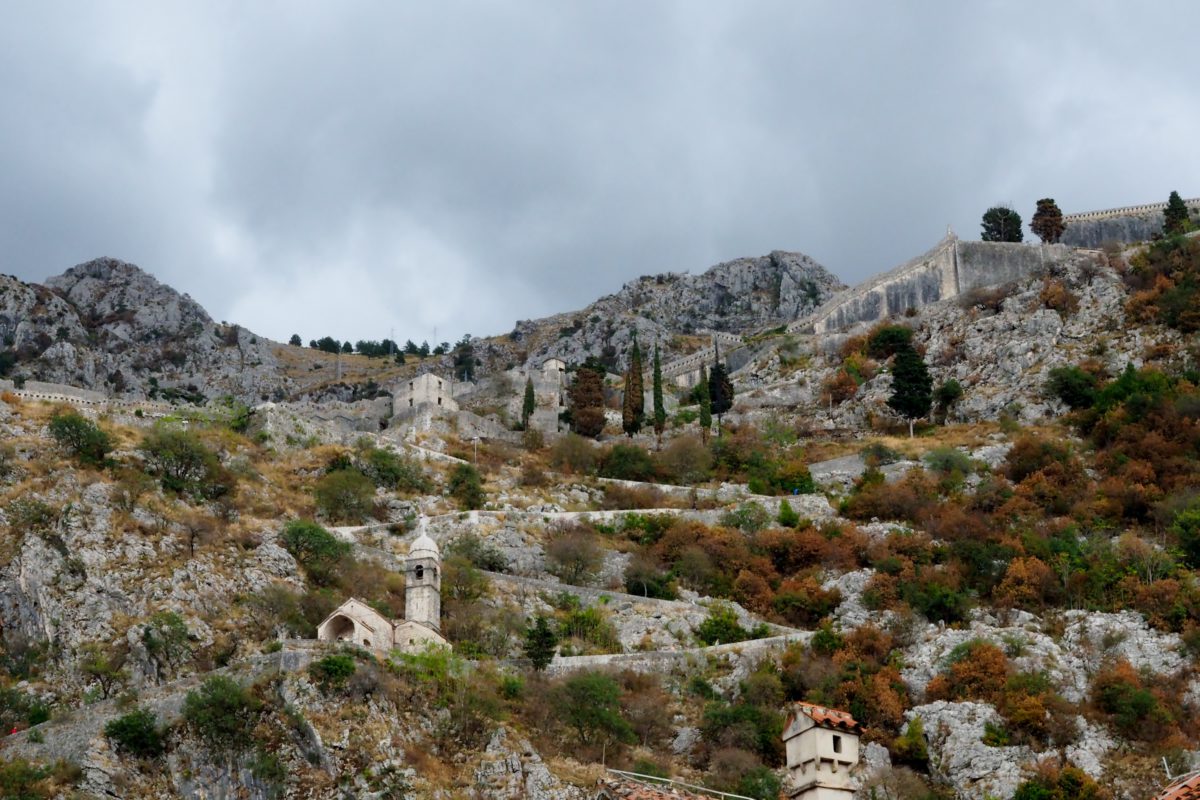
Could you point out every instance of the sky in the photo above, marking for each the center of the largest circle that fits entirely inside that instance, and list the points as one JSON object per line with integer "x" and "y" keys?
{"x": 424, "y": 170}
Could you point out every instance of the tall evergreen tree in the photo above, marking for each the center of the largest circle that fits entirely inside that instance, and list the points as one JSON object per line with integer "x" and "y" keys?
{"x": 660, "y": 411}
{"x": 1175, "y": 217}
{"x": 528, "y": 405}
{"x": 912, "y": 388}
{"x": 540, "y": 643}
{"x": 633, "y": 405}
{"x": 1002, "y": 224}
{"x": 705, "y": 404}
{"x": 720, "y": 388}
{"x": 1047, "y": 221}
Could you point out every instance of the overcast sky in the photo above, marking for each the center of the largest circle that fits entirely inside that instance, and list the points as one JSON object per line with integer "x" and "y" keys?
{"x": 349, "y": 167}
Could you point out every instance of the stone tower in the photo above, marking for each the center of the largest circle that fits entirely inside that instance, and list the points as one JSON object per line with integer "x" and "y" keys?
{"x": 423, "y": 582}
{"x": 822, "y": 750}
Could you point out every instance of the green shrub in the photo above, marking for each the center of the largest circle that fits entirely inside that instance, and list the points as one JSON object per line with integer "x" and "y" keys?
{"x": 749, "y": 517}
{"x": 82, "y": 437}
{"x": 909, "y": 749}
{"x": 627, "y": 462}
{"x": 316, "y": 549}
{"x": 136, "y": 733}
{"x": 222, "y": 714}
{"x": 478, "y": 552}
{"x": 345, "y": 495}
{"x": 185, "y": 465}
{"x": 878, "y": 454}
{"x": 389, "y": 470}
{"x": 1073, "y": 386}
{"x": 165, "y": 637}
{"x": 788, "y": 518}
{"x": 948, "y": 461}
{"x": 466, "y": 486}
{"x": 722, "y": 626}
{"x": 332, "y": 671}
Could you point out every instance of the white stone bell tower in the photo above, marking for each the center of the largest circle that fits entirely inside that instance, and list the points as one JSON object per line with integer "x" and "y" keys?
{"x": 423, "y": 582}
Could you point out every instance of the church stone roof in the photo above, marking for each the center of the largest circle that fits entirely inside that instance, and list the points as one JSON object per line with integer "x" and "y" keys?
{"x": 424, "y": 545}
{"x": 1185, "y": 787}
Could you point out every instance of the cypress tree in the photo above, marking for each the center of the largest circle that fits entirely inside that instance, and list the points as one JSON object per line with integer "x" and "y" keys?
{"x": 1175, "y": 217}
{"x": 540, "y": 643}
{"x": 720, "y": 388}
{"x": 633, "y": 406}
{"x": 529, "y": 405}
{"x": 587, "y": 401}
{"x": 660, "y": 411}
{"x": 705, "y": 404}
{"x": 912, "y": 388}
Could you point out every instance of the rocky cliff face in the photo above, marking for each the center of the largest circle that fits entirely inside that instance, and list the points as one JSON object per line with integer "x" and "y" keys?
{"x": 107, "y": 325}
{"x": 735, "y": 297}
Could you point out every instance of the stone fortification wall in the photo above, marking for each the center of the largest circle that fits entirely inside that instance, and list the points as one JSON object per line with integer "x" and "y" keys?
{"x": 982, "y": 264}
{"x": 659, "y": 662}
{"x": 1124, "y": 225}
{"x": 82, "y": 398}
{"x": 949, "y": 269}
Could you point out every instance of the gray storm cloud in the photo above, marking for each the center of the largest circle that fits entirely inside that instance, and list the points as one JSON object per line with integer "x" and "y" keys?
{"x": 356, "y": 168}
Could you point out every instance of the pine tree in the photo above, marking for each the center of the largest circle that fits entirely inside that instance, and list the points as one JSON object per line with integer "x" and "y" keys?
{"x": 529, "y": 405}
{"x": 1047, "y": 221}
{"x": 1002, "y": 224}
{"x": 540, "y": 643}
{"x": 1175, "y": 217}
{"x": 912, "y": 388}
{"x": 705, "y": 404}
{"x": 660, "y": 411}
{"x": 720, "y": 389}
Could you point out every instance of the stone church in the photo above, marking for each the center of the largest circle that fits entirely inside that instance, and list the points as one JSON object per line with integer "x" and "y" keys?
{"x": 355, "y": 621}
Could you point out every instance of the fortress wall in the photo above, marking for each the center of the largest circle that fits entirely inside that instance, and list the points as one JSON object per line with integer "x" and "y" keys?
{"x": 659, "y": 661}
{"x": 951, "y": 268}
{"x": 983, "y": 264}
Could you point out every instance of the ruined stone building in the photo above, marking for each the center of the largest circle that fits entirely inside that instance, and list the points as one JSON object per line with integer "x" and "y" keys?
{"x": 428, "y": 391}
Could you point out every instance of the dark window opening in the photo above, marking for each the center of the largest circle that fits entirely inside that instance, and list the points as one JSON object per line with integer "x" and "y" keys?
{"x": 419, "y": 572}
{"x": 837, "y": 744}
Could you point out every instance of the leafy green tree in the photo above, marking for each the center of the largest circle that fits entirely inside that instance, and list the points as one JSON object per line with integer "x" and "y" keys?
{"x": 104, "y": 665}
{"x": 347, "y": 347}
{"x": 184, "y": 464}
{"x": 528, "y": 404}
{"x": 466, "y": 486}
{"x": 1002, "y": 224}
{"x": 82, "y": 437}
{"x": 137, "y": 733}
{"x": 721, "y": 626}
{"x": 345, "y": 495}
{"x": 540, "y": 643}
{"x": 166, "y": 640}
{"x": 788, "y": 518}
{"x": 660, "y": 410}
{"x": 1175, "y": 217}
{"x": 295, "y": 340}
{"x": 1047, "y": 223}
{"x": 587, "y": 402}
{"x": 327, "y": 344}
{"x": 705, "y": 404}
{"x": 720, "y": 389}
{"x": 912, "y": 388}
{"x": 223, "y": 715}
{"x": 316, "y": 549}
{"x": 590, "y": 704}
